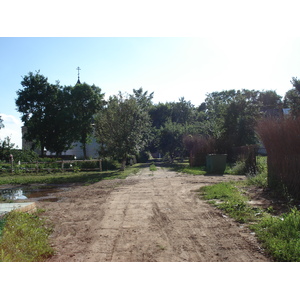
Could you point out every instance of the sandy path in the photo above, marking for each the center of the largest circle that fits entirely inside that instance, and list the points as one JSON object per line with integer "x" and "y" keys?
{"x": 151, "y": 216}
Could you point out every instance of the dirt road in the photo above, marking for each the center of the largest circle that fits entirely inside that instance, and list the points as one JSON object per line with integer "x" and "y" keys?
{"x": 151, "y": 216}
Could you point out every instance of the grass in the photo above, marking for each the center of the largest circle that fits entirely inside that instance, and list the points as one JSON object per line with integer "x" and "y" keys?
{"x": 228, "y": 198}
{"x": 153, "y": 167}
{"x": 279, "y": 235}
{"x": 24, "y": 238}
{"x": 67, "y": 177}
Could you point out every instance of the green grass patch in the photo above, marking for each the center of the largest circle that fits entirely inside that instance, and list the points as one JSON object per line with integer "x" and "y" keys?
{"x": 227, "y": 197}
{"x": 24, "y": 238}
{"x": 153, "y": 167}
{"x": 185, "y": 168}
{"x": 67, "y": 177}
{"x": 280, "y": 235}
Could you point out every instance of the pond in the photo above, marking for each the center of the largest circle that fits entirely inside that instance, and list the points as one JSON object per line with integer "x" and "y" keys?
{"x": 24, "y": 194}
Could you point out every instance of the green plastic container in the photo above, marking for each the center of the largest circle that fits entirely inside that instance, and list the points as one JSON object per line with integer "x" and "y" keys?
{"x": 216, "y": 163}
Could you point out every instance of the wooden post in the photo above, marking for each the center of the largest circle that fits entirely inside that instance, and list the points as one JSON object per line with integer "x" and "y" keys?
{"x": 62, "y": 165}
{"x": 37, "y": 167}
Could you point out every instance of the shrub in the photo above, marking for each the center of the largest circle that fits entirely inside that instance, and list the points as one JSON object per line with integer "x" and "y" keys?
{"x": 198, "y": 147}
{"x": 281, "y": 139}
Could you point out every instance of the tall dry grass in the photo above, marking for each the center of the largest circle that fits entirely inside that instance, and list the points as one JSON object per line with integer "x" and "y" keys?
{"x": 281, "y": 138}
{"x": 198, "y": 147}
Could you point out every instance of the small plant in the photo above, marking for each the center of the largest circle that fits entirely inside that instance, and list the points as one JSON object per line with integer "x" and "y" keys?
{"x": 239, "y": 168}
{"x": 153, "y": 167}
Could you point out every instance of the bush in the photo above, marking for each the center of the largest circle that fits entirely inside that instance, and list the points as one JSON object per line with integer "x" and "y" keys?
{"x": 281, "y": 139}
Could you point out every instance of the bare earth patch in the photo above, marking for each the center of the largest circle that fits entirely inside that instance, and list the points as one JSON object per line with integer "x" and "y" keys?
{"x": 151, "y": 216}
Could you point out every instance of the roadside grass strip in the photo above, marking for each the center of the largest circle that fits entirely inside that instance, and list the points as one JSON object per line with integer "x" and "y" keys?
{"x": 279, "y": 235}
{"x": 227, "y": 197}
{"x": 68, "y": 177}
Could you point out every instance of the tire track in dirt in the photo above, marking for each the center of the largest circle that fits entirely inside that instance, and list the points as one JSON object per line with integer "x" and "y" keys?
{"x": 151, "y": 216}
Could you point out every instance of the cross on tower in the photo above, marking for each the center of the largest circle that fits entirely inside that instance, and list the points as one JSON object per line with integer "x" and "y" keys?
{"x": 78, "y": 81}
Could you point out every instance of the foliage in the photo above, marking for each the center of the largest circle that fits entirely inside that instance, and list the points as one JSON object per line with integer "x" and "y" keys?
{"x": 34, "y": 102}
{"x": 25, "y": 238}
{"x": 57, "y": 116}
{"x": 153, "y": 167}
{"x": 1, "y": 122}
{"x": 231, "y": 116}
{"x": 260, "y": 179}
{"x": 6, "y": 147}
{"x": 86, "y": 102}
{"x": 280, "y": 235}
{"x": 292, "y": 98}
{"x": 123, "y": 127}
{"x": 24, "y": 155}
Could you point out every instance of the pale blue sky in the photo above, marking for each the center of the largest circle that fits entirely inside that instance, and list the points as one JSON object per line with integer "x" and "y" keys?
{"x": 169, "y": 67}
{"x": 230, "y": 46}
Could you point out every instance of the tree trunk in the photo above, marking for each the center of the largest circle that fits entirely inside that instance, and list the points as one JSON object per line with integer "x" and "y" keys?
{"x": 123, "y": 164}
{"x": 84, "y": 150}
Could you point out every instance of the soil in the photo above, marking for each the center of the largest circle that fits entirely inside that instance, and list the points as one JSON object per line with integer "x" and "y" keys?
{"x": 148, "y": 217}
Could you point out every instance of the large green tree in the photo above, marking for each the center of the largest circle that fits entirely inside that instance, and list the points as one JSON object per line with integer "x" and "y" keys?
{"x": 87, "y": 100}
{"x": 34, "y": 102}
{"x": 123, "y": 126}
{"x": 231, "y": 117}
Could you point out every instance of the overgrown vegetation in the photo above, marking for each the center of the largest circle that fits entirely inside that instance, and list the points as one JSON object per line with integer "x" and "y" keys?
{"x": 279, "y": 234}
{"x": 280, "y": 137}
{"x": 227, "y": 197}
{"x": 24, "y": 238}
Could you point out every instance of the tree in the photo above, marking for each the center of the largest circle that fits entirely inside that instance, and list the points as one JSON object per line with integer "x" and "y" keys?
{"x": 86, "y": 102}
{"x": 34, "y": 102}
{"x": 122, "y": 127}
{"x": 231, "y": 117}
{"x": 60, "y": 133}
{"x": 183, "y": 111}
{"x": 292, "y": 97}
{"x": 171, "y": 139}
{"x": 5, "y": 148}
{"x": 1, "y": 123}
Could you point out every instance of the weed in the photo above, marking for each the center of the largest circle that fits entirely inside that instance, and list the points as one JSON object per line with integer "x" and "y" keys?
{"x": 24, "y": 238}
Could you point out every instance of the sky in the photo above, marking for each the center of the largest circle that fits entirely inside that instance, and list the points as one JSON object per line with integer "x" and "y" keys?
{"x": 214, "y": 47}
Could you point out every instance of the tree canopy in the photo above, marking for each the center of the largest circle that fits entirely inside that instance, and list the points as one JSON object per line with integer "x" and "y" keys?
{"x": 57, "y": 116}
{"x": 123, "y": 126}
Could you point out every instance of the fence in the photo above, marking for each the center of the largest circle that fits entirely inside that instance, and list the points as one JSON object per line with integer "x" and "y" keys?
{"x": 62, "y": 165}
